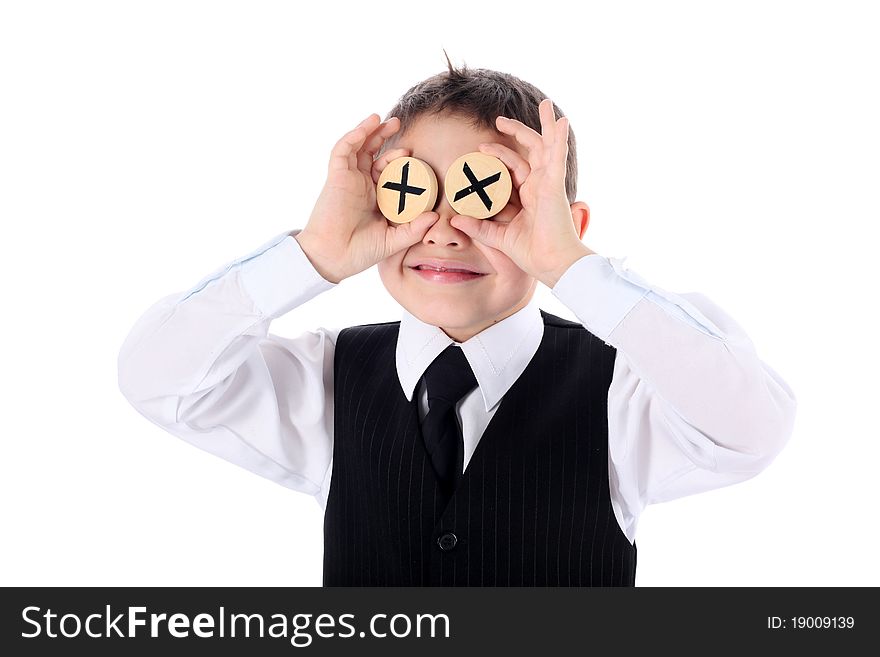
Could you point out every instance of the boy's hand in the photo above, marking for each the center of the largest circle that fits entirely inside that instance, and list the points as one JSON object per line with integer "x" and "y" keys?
{"x": 346, "y": 233}
{"x": 541, "y": 239}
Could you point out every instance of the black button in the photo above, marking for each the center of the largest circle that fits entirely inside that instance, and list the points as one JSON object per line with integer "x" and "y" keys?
{"x": 447, "y": 541}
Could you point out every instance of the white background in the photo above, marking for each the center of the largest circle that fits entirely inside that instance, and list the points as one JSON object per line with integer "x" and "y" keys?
{"x": 726, "y": 148}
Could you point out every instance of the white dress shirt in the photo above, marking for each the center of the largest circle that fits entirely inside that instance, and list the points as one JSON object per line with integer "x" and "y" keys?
{"x": 691, "y": 407}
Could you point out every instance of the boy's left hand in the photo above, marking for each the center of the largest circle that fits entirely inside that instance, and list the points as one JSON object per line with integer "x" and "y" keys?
{"x": 541, "y": 239}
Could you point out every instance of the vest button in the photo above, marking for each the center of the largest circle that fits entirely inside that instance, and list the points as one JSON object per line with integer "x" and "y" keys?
{"x": 447, "y": 541}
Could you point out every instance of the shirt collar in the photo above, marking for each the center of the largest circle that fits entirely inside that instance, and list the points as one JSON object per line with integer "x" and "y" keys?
{"x": 497, "y": 355}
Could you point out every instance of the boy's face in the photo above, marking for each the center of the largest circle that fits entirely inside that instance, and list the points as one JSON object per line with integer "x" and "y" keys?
{"x": 460, "y": 308}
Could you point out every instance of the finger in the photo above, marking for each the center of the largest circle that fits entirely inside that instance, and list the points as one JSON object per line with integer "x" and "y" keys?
{"x": 517, "y": 165}
{"x": 489, "y": 233}
{"x": 374, "y": 142}
{"x": 343, "y": 155}
{"x": 524, "y": 135}
{"x": 548, "y": 123}
{"x": 381, "y": 134}
{"x": 401, "y": 236}
{"x": 382, "y": 161}
{"x": 366, "y": 126}
{"x": 559, "y": 156}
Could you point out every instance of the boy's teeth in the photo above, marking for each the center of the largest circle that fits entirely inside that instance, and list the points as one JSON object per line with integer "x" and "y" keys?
{"x": 463, "y": 271}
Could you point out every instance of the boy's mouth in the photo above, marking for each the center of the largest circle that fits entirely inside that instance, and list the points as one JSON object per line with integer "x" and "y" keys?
{"x": 440, "y": 272}
{"x": 446, "y": 276}
{"x": 444, "y": 264}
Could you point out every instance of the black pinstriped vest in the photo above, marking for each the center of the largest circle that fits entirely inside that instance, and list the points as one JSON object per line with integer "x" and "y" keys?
{"x": 533, "y": 507}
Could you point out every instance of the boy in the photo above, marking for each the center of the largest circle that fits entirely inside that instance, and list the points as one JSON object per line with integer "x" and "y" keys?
{"x": 479, "y": 440}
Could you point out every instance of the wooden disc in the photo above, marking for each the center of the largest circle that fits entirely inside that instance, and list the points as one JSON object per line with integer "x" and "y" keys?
{"x": 478, "y": 185}
{"x": 407, "y": 187}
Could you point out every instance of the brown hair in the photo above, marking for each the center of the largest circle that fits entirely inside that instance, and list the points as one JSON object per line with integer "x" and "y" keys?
{"x": 480, "y": 95}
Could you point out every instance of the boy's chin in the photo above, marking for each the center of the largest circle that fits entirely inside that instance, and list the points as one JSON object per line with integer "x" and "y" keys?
{"x": 445, "y": 317}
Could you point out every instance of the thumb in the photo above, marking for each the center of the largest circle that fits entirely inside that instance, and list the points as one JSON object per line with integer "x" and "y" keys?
{"x": 485, "y": 232}
{"x": 404, "y": 235}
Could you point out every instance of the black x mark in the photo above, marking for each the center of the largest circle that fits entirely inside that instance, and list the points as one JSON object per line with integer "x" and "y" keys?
{"x": 477, "y": 186}
{"x": 403, "y": 188}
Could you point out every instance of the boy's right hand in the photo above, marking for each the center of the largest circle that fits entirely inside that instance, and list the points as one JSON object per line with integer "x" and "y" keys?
{"x": 346, "y": 232}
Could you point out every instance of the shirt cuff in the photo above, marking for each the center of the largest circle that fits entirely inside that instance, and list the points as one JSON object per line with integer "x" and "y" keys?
{"x": 280, "y": 277}
{"x": 599, "y": 296}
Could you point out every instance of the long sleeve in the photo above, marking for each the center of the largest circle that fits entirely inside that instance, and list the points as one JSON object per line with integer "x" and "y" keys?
{"x": 202, "y": 366}
{"x": 691, "y": 406}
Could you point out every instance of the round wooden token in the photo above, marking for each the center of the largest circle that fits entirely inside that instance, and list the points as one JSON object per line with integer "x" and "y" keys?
{"x": 478, "y": 185}
{"x": 407, "y": 187}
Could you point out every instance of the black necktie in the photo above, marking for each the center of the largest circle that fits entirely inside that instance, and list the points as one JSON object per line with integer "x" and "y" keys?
{"x": 448, "y": 379}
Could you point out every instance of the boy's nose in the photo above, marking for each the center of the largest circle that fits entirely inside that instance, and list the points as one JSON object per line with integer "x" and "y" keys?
{"x": 441, "y": 231}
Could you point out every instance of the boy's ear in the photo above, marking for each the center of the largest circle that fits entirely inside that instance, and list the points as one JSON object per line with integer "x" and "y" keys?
{"x": 580, "y": 214}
